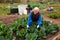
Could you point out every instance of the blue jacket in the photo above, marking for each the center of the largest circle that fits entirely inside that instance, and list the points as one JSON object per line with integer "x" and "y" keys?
{"x": 39, "y": 21}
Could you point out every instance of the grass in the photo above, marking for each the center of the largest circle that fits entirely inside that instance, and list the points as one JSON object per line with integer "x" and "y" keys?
{"x": 15, "y": 5}
{"x": 39, "y": 5}
{"x": 4, "y": 11}
{"x": 5, "y": 8}
{"x": 53, "y": 3}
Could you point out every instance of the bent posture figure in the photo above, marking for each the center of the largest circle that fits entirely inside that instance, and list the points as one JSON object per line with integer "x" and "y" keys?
{"x": 35, "y": 16}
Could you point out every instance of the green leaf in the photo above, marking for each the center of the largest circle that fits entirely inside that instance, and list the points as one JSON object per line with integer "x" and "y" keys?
{"x": 31, "y": 36}
{"x": 21, "y": 33}
{"x": 42, "y": 32}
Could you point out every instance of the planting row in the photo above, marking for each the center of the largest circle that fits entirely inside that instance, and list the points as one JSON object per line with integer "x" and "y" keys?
{"x": 18, "y": 31}
{"x": 54, "y": 15}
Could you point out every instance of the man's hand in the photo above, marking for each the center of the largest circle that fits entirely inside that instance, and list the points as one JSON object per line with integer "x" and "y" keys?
{"x": 37, "y": 26}
{"x": 27, "y": 26}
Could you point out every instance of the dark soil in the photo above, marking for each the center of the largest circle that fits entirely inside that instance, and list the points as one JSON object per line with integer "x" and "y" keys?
{"x": 17, "y": 38}
{"x": 20, "y": 27}
{"x": 14, "y": 32}
{"x": 8, "y": 18}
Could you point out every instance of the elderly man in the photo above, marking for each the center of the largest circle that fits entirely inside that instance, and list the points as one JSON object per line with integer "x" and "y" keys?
{"x": 35, "y": 16}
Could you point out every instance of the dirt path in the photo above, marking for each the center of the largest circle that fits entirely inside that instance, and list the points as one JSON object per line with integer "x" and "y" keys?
{"x": 54, "y": 36}
{"x": 9, "y": 18}
{"x": 54, "y": 21}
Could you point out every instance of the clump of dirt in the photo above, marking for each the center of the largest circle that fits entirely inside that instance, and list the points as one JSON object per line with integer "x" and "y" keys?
{"x": 20, "y": 27}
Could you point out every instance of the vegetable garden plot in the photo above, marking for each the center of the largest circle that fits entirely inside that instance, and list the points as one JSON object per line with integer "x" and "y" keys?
{"x": 17, "y": 30}
{"x": 54, "y": 15}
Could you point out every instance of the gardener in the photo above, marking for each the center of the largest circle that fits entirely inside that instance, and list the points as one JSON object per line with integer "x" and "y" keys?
{"x": 35, "y": 16}
{"x": 28, "y": 8}
{"x": 50, "y": 8}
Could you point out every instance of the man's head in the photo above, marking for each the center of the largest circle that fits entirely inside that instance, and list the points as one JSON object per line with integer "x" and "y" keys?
{"x": 28, "y": 5}
{"x": 36, "y": 10}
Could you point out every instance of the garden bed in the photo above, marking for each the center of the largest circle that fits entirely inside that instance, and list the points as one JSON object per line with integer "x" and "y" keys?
{"x": 54, "y": 15}
{"x": 17, "y": 30}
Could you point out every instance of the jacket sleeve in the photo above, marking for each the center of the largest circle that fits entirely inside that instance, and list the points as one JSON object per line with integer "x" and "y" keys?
{"x": 29, "y": 19}
{"x": 39, "y": 22}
